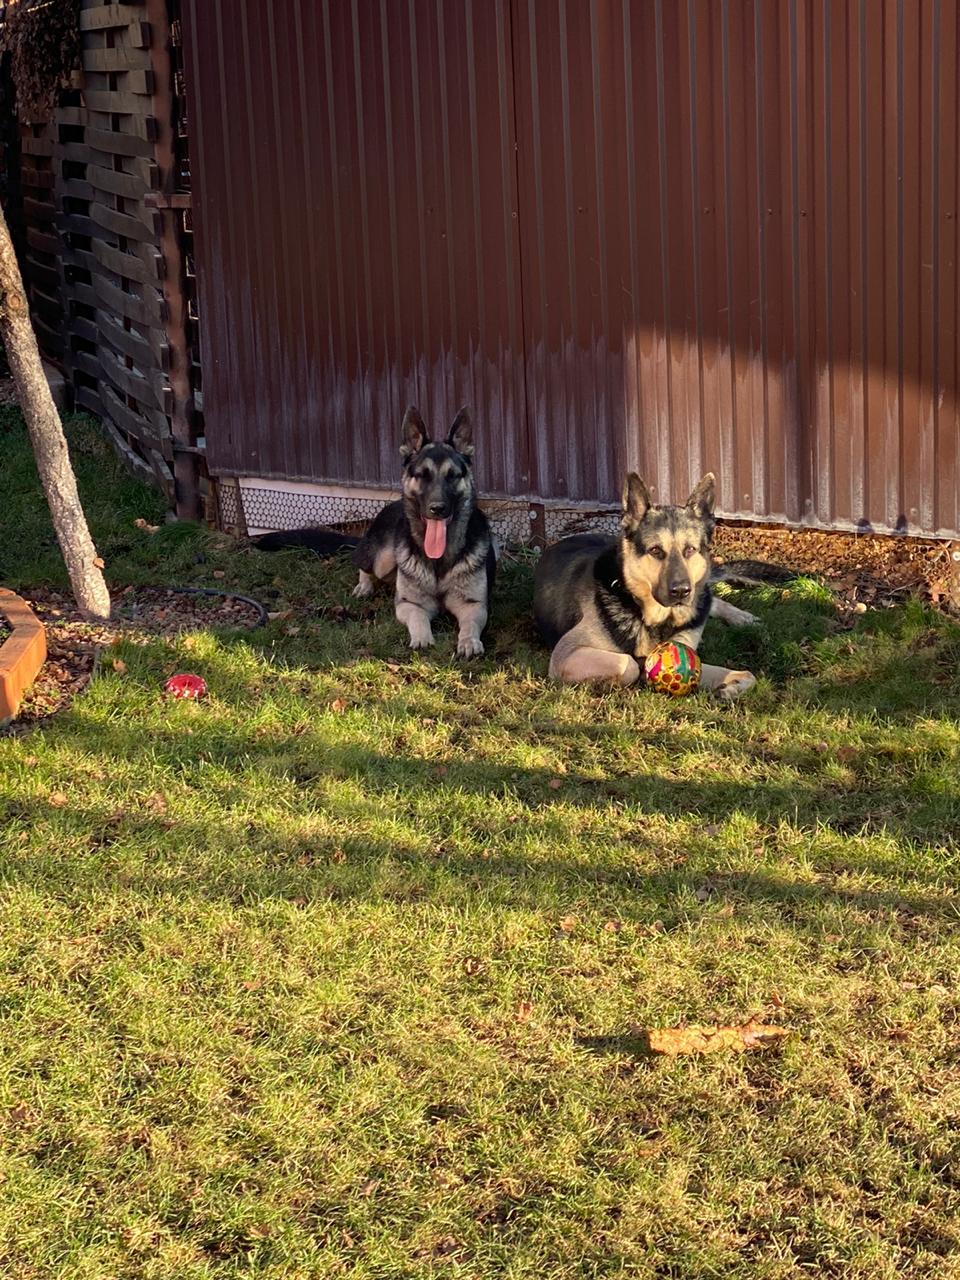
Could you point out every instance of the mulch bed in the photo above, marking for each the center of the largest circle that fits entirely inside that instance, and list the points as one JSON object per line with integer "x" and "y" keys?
{"x": 139, "y": 613}
{"x": 862, "y": 569}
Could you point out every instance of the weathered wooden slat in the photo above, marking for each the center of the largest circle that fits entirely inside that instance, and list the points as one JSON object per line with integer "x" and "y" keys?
{"x": 47, "y": 304}
{"x": 49, "y": 340}
{"x": 147, "y": 348}
{"x": 43, "y": 241}
{"x": 71, "y": 115}
{"x": 131, "y": 423}
{"x": 125, "y": 224}
{"x": 88, "y": 398}
{"x": 77, "y": 224}
{"x": 42, "y": 178}
{"x": 129, "y": 185}
{"x": 149, "y": 310}
{"x": 121, "y": 144}
{"x": 132, "y": 382}
{"x": 143, "y": 470}
{"x": 83, "y": 293}
{"x": 121, "y": 58}
{"x": 87, "y": 362}
{"x": 104, "y": 16}
{"x": 75, "y": 189}
{"x": 118, "y": 103}
{"x": 127, "y": 265}
{"x": 71, "y": 256}
{"x": 39, "y": 210}
{"x": 78, "y": 152}
{"x": 30, "y": 146}
{"x": 84, "y": 329}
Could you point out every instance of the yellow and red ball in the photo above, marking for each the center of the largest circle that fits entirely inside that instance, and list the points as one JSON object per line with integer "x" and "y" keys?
{"x": 673, "y": 669}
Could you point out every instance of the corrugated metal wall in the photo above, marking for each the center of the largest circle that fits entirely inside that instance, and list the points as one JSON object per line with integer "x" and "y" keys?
{"x": 671, "y": 234}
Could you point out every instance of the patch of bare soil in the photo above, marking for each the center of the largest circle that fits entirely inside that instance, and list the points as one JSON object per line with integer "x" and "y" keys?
{"x": 73, "y": 645}
{"x": 868, "y": 569}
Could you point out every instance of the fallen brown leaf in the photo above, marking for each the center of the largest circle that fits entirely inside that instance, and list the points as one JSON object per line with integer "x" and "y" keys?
{"x": 253, "y": 984}
{"x": 846, "y": 754}
{"x": 119, "y": 666}
{"x": 338, "y": 704}
{"x": 369, "y": 1187}
{"x": 524, "y": 1010}
{"x": 555, "y": 784}
{"x": 57, "y": 799}
{"x": 612, "y": 926}
{"x": 568, "y": 924}
{"x": 472, "y": 966}
{"x": 776, "y": 999}
{"x": 219, "y": 573}
{"x": 672, "y": 1041}
{"x": 99, "y": 562}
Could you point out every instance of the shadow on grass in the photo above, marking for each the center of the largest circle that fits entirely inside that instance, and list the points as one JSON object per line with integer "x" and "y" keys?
{"x": 530, "y": 855}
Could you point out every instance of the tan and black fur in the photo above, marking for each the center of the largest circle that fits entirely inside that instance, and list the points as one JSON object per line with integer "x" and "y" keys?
{"x": 438, "y": 484}
{"x": 602, "y": 604}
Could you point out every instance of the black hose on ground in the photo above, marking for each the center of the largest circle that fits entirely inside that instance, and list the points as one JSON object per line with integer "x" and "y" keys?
{"x": 262, "y": 618}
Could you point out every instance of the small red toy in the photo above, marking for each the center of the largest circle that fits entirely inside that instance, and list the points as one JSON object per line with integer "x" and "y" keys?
{"x": 186, "y": 686}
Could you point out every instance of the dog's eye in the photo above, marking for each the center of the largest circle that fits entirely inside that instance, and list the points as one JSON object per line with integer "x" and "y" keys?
{"x": 688, "y": 552}
{"x": 658, "y": 553}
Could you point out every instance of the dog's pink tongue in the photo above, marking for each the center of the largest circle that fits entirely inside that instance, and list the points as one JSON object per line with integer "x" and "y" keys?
{"x": 435, "y": 539}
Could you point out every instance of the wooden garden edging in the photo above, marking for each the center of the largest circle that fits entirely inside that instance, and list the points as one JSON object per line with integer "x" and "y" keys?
{"x": 22, "y": 654}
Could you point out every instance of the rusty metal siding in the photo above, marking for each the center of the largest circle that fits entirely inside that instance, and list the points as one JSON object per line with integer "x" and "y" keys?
{"x": 356, "y": 232}
{"x": 676, "y": 235}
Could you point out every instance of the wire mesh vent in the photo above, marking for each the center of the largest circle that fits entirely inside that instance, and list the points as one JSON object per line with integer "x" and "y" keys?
{"x": 514, "y": 523}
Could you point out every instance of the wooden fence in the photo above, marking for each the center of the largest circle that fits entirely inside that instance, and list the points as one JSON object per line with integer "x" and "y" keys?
{"x": 95, "y": 198}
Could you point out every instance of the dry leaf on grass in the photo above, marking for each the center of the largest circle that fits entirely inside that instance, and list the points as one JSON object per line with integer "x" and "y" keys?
{"x": 338, "y": 704}
{"x": 472, "y": 966}
{"x": 568, "y": 924}
{"x": 524, "y": 1010}
{"x": 147, "y": 528}
{"x": 672, "y": 1041}
{"x": 57, "y": 799}
{"x": 119, "y": 666}
{"x": 555, "y": 784}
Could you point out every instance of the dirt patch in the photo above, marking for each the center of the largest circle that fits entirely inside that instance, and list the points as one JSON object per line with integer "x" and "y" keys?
{"x": 73, "y": 645}
{"x": 865, "y": 568}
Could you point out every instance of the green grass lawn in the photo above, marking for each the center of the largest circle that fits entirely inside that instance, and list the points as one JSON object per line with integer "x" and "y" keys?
{"x": 340, "y": 972}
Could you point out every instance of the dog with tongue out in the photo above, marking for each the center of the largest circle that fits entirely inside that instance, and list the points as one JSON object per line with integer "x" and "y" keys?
{"x": 435, "y": 537}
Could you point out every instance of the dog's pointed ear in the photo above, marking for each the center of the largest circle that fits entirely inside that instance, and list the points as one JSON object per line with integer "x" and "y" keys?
{"x": 636, "y": 502}
{"x": 461, "y": 433}
{"x": 413, "y": 433}
{"x": 704, "y": 496}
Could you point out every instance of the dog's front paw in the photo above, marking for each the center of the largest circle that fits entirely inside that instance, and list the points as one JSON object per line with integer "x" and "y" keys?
{"x": 735, "y": 684}
{"x": 365, "y": 586}
{"x": 742, "y": 617}
{"x": 422, "y": 641}
{"x": 469, "y": 647}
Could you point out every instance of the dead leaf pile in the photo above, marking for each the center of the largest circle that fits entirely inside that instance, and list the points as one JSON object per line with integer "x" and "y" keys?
{"x": 862, "y": 568}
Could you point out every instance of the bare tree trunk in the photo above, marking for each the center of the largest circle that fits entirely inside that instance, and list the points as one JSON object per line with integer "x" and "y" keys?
{"x": 47, "y": 438}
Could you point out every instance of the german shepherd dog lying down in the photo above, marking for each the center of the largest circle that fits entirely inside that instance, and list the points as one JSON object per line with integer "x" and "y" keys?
{"x": 602, "y": 604}
{"x": 435, "y": 538}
